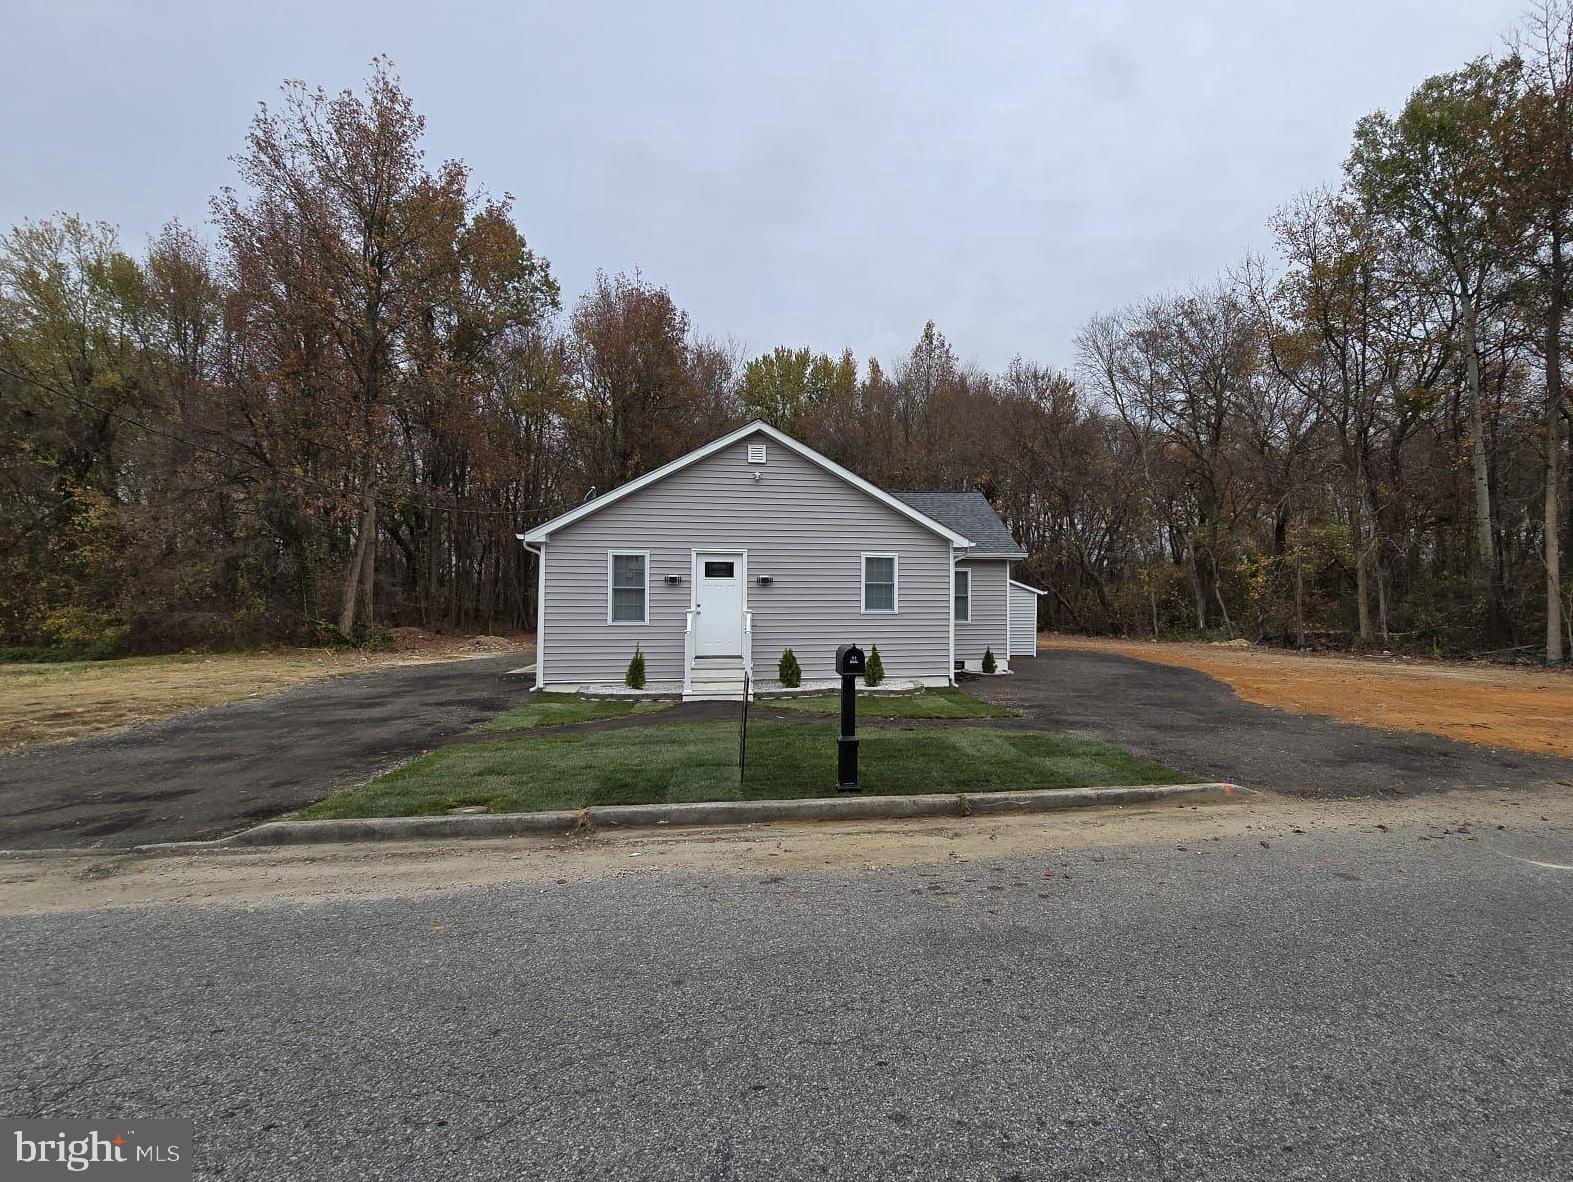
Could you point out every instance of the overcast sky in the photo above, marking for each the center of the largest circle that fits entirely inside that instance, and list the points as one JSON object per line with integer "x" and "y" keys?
{"x": 803, "y": 173}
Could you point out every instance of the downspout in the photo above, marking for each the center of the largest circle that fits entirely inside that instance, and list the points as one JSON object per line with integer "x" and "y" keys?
{"x": 1006, "y": 666}
{"x": 540, "y": 610}
{"x": 950, "y": 614}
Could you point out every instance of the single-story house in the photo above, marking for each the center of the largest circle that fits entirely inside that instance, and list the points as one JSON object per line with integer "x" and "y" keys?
{"x": 715, "y": 563}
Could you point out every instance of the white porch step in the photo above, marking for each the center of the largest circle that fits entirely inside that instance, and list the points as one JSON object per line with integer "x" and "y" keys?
{"x": 715, "y": 679}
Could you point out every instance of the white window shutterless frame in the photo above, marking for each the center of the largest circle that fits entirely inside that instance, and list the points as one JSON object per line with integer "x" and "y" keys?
{"x": 628, "y": 587}
{"x": 880, "y": 584}
{"x": 962, "y": 603}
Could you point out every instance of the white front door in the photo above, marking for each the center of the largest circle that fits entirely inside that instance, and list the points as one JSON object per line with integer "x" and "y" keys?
{"x": 718, "y": 594}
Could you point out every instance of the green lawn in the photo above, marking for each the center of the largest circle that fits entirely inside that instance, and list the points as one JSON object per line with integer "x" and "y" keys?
{"x": 698, "y": 761}
{"x": 549, "y": 709}
{"x": 930, "y": 703}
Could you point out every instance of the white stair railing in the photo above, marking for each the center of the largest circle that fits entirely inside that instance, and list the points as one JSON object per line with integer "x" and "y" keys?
{"x": 688, "y": 651}
{"x": 748, "y": 653}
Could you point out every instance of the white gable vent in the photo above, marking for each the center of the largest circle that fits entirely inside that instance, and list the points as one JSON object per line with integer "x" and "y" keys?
{"x": 756, "y": 453}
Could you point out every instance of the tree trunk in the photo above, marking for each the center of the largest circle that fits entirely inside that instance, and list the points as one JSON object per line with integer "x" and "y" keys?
{"x": 1485, "y": 568}
{"x": 1362, "y": 560}
{"x": 1228, "y": 625}
{"x": 1198, "y": 592}
{"x": 1553, "y": 540}
{"x": 305, "y": 574}
{"x": 352, "y": 576}
{"x": 1299, "y": 600}
{"x": 1381, "y": 603}
{"x": 369, "y": 571}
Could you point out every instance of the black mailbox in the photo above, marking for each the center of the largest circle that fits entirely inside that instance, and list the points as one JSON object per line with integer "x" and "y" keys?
{"x": 850, "y": 661}
{"x": 851, "y": 665}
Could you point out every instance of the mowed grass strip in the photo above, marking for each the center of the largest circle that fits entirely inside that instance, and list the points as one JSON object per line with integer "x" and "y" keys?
{"x": 930, "y": 703}
{"x": 697, "y": 761}
{"x": 549, "y": 709}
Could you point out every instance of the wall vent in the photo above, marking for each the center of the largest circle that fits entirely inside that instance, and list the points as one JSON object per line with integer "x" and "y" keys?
{"x": 756, "y": 453}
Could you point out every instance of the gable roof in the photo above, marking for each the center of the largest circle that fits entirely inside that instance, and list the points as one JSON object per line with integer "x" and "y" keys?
{"x": 969, "y": 513}
{"x": 541, "y": 532}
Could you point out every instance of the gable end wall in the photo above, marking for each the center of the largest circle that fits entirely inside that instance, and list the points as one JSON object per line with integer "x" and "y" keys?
{"x": 802, "y": 526}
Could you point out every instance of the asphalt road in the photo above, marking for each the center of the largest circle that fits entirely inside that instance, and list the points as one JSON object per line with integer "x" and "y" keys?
{"x": 217, "y": 771}
{"x": 1190, "y": 721}
{"x": 1344, "y": 1006}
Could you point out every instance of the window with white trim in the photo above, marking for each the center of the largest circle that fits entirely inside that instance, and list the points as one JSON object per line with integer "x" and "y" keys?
{"x": 628, "y": 587}
{"x": 879, "y": 582}
{"x": 963, "y": 596}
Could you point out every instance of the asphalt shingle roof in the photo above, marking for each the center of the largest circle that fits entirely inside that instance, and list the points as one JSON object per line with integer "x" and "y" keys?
{"x": 967, "y": 513}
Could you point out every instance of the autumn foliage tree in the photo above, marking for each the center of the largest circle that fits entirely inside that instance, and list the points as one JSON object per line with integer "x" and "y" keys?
{"x": 334, "y": 414}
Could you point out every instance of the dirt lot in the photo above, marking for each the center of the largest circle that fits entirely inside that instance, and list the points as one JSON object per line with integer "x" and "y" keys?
{"x": 46, "y": 703}
{"x": 1494, "y": 705}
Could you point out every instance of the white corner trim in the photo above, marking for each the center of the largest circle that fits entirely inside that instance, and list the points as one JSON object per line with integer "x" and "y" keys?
{"x": 541, "y": 532}
{"x": 895, "y": 583}
{"x": 615, "y": 554}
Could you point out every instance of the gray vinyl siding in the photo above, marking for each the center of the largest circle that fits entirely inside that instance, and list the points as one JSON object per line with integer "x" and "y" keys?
{"x": 986, "y": 630}
{"x": 1023, "y": 622}
{"x": 801, "y": 525}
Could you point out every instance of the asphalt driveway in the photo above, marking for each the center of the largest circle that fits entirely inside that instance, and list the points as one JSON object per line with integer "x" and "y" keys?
{"x": 216, "y": 771}
{"x": 1199, "y": 725}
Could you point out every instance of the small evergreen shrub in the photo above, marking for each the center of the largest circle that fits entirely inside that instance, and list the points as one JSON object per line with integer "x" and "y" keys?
{"x": 790, "y": 673}
{"x": 990, "y": 665}
{"x": 875, "y": 672}
{"x": 634, "y": 678}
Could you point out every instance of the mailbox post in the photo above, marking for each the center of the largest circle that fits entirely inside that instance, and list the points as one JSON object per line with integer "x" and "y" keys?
{"x": 850, "y": 664}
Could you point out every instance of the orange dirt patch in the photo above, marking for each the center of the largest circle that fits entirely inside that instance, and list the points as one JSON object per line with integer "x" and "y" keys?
{"x": 1528, "y": 710}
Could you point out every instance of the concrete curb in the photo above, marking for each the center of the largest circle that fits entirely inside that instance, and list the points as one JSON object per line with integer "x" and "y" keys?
{"x": 729, "y": 812}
